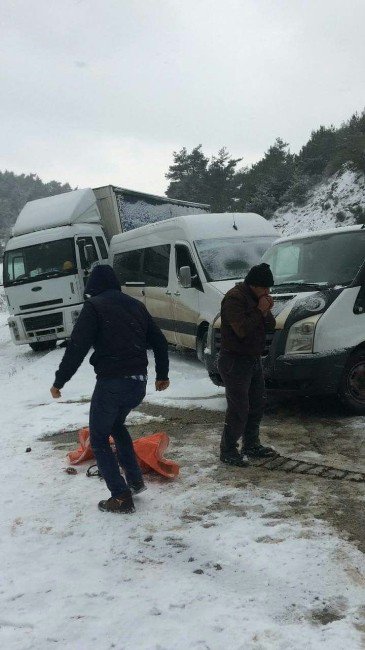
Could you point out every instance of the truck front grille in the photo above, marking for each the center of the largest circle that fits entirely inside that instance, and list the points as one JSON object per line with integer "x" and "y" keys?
{"x": 47, "y": 321}
{"x": 37, "y": 305}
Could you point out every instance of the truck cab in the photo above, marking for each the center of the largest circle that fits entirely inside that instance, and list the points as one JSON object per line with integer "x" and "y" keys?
{"x": 45, "y": 271}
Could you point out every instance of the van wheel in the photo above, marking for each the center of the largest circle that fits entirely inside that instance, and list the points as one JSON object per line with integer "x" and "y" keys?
{"x": 216, "y": 378}
{"x": 352, "y": 387}
{"x": 43, "y": 345}
{"x": 202, "y": 344}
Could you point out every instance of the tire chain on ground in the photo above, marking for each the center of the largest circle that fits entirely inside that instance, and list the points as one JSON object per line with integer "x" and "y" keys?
{"x": 292, "y": 465}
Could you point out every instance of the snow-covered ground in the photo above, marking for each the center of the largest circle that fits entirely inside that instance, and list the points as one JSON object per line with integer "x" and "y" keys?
{"x": 330, "y": 204}
{"x": 75, "y": 578}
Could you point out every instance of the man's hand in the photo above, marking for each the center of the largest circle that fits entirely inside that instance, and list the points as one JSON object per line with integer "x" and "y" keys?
{"x": 55, "y": 392}
{"x": 265, "y": 304}
{"x": 162, "y": 384}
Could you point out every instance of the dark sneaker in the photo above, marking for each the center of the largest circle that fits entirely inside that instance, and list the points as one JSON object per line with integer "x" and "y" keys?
{"x": 234, "y": 458}
{"x": 122, "y": 504}
{"x": 259, "y": 451}
{"x": 137, "y": 487}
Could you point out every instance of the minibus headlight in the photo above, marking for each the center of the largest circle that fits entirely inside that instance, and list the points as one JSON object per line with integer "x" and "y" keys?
{"x": 301, "y": 336}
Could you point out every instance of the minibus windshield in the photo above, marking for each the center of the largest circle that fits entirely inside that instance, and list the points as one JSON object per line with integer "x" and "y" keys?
{"x": 315, "y": 262}
{"x": 230, "y": 258}
{"x": 40, "y": 262}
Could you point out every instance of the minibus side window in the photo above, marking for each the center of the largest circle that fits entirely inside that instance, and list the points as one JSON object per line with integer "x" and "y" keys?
{"x": 128, "y": 266}
{"x": 183, "y": 258}
{"x": 156, "y": 266}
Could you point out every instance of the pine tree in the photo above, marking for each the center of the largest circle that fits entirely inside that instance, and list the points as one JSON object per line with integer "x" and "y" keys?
{"x": 222, "y": 182}
{"x": 187, "y": 175}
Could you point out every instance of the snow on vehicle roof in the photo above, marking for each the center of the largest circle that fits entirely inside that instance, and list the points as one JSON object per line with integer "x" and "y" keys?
{"x": 207, "y": 226}
{"x": 78, "y": 206}
{"x": 320, "y": 233}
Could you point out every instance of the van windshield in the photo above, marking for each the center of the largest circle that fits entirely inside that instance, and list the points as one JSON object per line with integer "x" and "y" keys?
{"x": 325, "y": 260}
{"x": 230, "y": 258}
{"x": 40, "y": 262}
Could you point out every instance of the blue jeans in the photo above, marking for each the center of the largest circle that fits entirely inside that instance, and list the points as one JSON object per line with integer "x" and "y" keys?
{"x": 111, "y": 402}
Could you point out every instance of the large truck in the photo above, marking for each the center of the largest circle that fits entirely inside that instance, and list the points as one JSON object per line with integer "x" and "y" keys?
{"x": 55, "y": 241}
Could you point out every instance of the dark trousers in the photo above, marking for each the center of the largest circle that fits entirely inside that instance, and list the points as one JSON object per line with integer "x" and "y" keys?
{"x": 245, "y": 391}
{"x": 111, "y": 402}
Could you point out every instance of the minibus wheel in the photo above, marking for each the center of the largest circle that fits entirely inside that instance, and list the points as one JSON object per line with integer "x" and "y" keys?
{"x": 216, "y": 378}
{"x": 202, "y": 344}
{"x": 41, "y": 346}
{"x": 352, "y": 387}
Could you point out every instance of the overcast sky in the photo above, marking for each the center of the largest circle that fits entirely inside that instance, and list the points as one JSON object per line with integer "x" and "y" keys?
{"x": 103, "y": 91}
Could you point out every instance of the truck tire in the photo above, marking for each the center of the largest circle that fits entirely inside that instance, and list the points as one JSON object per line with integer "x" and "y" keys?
{"x": 42, "y": 346}
{"x": 352, "y": 387}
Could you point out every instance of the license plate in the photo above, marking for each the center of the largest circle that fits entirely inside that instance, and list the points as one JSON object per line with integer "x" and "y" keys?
{"x": 46, "y": 337}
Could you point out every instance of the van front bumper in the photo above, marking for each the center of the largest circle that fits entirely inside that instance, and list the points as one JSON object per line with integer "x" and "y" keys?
{"x": 306, "y": 374}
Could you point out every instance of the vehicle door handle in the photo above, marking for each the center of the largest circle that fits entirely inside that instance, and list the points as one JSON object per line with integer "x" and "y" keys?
{"x": 168, "y": 293}
{"x": 177, "y": 293}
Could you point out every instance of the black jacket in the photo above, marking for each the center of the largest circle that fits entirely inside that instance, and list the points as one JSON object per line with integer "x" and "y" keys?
{"x": 119, "y": 328}
{"x": 239, "y": 306}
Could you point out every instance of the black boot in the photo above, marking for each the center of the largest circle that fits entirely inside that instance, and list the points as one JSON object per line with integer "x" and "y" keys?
{"x": 259, "y": 451}
{"x": 234, "y": 458}
{"x": 137, "y": 487}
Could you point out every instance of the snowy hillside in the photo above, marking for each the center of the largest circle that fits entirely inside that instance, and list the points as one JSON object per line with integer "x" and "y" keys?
{"x": 338, "y": 201}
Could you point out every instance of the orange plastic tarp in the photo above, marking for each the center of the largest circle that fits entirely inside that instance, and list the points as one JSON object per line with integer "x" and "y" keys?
{"x": 149, "y": 450}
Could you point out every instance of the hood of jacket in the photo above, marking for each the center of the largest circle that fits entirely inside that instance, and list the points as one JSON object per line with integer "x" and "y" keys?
{"x": 102, "y": 278}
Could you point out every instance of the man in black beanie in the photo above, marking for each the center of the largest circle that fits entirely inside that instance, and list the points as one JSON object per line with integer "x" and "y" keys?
{"x": 245, "y": 318}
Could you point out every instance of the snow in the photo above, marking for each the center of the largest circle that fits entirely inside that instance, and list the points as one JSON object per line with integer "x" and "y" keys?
{"x": 75, "y": 578}
{"x": 330, "y": 204}
{"x": 64, "y": 209}
{"x": 136, "y": 212}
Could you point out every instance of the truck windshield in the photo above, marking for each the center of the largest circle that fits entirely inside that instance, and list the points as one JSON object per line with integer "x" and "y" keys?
{"x": 325, "y": 260}
{"x": 230, "y": 258}
{"x": 40, "y": 262}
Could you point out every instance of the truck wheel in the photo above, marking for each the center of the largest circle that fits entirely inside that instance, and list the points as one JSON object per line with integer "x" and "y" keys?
{"x": 43, "y": 345}
{"x": 352, "y": 387}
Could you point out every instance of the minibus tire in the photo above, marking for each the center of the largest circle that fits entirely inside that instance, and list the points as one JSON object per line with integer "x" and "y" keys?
{"x": 42, "y": 346}
{"x": 202, "y": 344}
{"x": 216, "y": 378}
{"x": 348, "y": 393}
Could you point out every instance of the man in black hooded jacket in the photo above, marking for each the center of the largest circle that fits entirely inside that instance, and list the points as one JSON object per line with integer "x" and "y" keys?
{"x": 120, "y": 329}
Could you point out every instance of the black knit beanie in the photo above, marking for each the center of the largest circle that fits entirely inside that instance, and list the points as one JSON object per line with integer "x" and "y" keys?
{"x": 260, "y": 276}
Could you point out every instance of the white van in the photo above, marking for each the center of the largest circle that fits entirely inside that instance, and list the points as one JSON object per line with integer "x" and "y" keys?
{"x": 318, "y": 346}
{"x": 180, "y": 268}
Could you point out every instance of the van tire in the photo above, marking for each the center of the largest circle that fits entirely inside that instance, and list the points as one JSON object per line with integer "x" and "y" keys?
{"x": 352, "y": 386}
{"x": 216, "y": 379}
{"x": 42, "y": 346}
{"x": 201, "y": 344}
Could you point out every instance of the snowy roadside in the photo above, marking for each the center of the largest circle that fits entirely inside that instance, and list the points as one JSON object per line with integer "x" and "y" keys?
{"x": 202, "y": 564}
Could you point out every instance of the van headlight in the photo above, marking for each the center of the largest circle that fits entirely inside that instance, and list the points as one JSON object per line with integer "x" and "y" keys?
{"x": 301, "y": 336}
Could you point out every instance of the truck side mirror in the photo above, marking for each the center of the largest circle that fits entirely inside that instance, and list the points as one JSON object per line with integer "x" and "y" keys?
{"x": 185, "y": 277}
